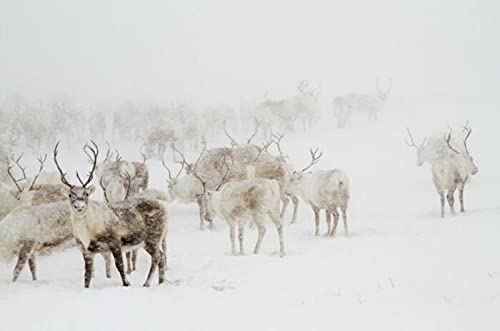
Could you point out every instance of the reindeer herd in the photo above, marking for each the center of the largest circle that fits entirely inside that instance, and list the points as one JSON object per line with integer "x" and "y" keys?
{"x": 241, "y": 183}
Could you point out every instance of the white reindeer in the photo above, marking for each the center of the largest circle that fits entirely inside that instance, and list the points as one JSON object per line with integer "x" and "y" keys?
{"x": 98, "y": 227}
{"x": 367, "y": 103}
{"x": 38, "y": 221}
{"x": 329, "y": 190}
{"x": 251, "y": 200}
{"x": 452, "y": 172}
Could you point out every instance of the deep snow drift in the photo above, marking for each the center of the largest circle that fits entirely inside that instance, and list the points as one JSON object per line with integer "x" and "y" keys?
{"x": 403, "y": 268}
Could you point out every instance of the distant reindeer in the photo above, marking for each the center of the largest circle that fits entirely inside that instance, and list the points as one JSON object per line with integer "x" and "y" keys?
{"x": 328, "y": 190}
{"x": 452, "y": 172}
{"x": 98, "y": 227}
{"x": 366, "y": 103}
{"x": 251, "y": 199}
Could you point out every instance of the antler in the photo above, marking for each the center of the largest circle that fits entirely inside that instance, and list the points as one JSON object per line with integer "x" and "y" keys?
{"x": 377, "y": 85}
{"x": 42, "y": 164}
{"x": 63, "y": 175}
{"x": 95, "y": 153}
{"x": 233, "y": 142}
{"x": 23, "y": 170}
{"x": 277, "y": 143}
{"x": 224, "y": 176}
{"x": 183, "y": 161}
{"x": 447, "y": 138}
{"x": 412, "y": 142}
{"x": 468, "y": 132}
{"x": 128, "y": 178}
{"x": 302, "y": 86}
{"x": 16, "y": 181}
{"x": 118, "y": 156}
{"x": 109, "y": 154}
{"x": 314, "y": 158}
{"x": 144, "y": 158}
{"x": 257, "y": 125}
{"x": 104, "y": 190}
{"x": 170, "y": 178}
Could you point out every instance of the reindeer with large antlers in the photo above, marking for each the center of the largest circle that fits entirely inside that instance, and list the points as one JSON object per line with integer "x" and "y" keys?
{"x": 371, "y": 104}
{"x": 100, "y": 227}
{"x": 329, "y": 190}
{"x": 452, "y": 171}
{"x": 38, "y": 221}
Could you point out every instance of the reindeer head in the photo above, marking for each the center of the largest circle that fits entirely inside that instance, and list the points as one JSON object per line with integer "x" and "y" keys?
{"x": 79, "y": 195}
{"x": 383, "y": 95}
{"x": 421, "y": 155}
{"x": 297, "y": 175}
{"x": 469, "y": 160}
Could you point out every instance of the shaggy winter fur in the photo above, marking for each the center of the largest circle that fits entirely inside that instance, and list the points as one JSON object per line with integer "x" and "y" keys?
{"x": 327, "y": 190}
{"x": 113, "y": 178}
{"x": 38, "y": 215}
{"x": 98, "y": 227}
{"x": 248, "y": 200}
{"x": 28, "y": 229}
{"x": 450, "y": 173}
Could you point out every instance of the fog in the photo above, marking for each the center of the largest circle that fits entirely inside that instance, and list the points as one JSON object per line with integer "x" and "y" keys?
{"x": 206, "y": 52}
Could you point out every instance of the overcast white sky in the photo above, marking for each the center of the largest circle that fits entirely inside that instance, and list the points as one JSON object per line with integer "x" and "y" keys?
{"x": 217, "y": 51}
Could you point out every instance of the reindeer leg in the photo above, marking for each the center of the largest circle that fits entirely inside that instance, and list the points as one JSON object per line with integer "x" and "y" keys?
{"x": 262, "y": 232}
{"x": 335, "y": 221}
{"x": 107, "y": 263}
{"x": 162, "y": 265}
{"x": 461, "y": 195}
{"x": 279, "y": 226}
{"x": 241, "y": 236}
{"x": 129, "y": 262}
{"x": 134, "y": 259}
{"x": 328, "y": 219}
{"x": 451, "y": 199}
{"x": 344, "y": 218}
{"x": 295, "y": 202}
{"x": 232, "y": 237}
{"x": 441, "y": 195}
{"x": 316, "y": 220}
{"x": 89, "y": 266}
{"x": 116, "y": 250}
{"x": 285, "y": 201}
{"x": 32, "y": 265}
{"x": 201, "y": 207}
{"x": 23, "y": 256}
{"x": 153, "y": 250}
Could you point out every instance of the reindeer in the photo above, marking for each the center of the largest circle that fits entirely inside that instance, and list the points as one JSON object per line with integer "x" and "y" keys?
{"x": 98, "y": 227}
{"x": 266, "y": 166}
{"x": 121, "y": 178}
{"x": 248, "y": 200}
{"x": 327, "y": 190}
{"x": 38, "y": 222}
{"x": 156, "y": 143}
{"x": 367, "y": 103}
{"x": 452, "y": 172}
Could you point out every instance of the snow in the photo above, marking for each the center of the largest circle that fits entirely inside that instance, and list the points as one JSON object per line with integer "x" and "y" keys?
{"x": 402, "y": 268}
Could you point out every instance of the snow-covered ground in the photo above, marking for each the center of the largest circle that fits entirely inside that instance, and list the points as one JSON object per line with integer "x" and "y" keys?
{"x": 403, "y": 268}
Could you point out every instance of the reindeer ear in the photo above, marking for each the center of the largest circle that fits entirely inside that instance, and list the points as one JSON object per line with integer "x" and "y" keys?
{"x": 91, "y": 189}
{"x": 66, "y": 191}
